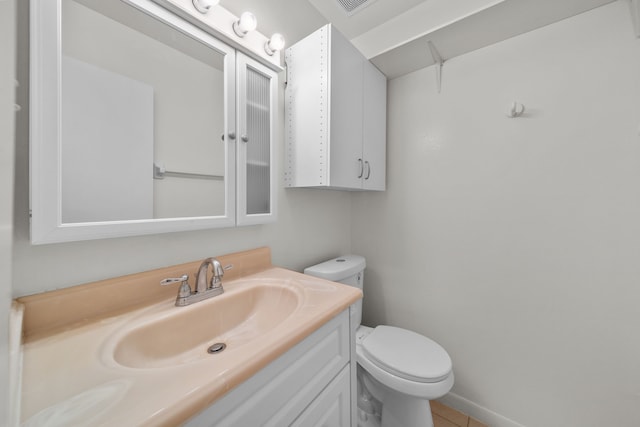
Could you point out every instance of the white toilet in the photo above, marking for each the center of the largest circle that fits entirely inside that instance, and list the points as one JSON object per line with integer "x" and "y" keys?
{"x": 399, "y": 371}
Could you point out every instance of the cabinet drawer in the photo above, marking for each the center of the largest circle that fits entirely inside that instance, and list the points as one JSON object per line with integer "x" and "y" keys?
{"x": 331, "y": 408}
{"x": 276, "y": 395}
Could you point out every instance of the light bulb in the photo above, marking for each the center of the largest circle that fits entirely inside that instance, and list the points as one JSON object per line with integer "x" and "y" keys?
{"x": 274, "y": 44}
{"x": 203, "y": 6}
{"x": 246, "y": 23}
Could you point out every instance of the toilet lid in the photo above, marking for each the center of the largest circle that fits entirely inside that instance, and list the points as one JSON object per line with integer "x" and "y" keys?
{"x": 407, "y": 354}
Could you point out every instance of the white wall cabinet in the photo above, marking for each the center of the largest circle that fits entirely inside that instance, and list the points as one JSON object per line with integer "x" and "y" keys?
{"x": 309, "y": 385}
{"x": 191, "y": 87}
{"x": 335, "y": 107}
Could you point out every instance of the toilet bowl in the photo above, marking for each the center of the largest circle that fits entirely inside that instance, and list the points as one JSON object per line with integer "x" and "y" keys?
{"x": 403, "y": 371}
{"x": 399, "y": 370}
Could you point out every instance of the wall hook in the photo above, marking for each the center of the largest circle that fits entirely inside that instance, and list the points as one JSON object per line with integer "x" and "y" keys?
{"x": 516, "y": 110}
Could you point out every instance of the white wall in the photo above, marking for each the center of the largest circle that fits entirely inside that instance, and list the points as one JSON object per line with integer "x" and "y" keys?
{"x": 7, "y": 99}
{"x": 515, "y": 242}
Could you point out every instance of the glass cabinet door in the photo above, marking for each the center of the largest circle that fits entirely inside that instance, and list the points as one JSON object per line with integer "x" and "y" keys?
{"x": 256, "y": 87}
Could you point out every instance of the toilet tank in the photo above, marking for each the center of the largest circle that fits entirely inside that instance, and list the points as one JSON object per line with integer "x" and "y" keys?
{"x": 347, "y": 269}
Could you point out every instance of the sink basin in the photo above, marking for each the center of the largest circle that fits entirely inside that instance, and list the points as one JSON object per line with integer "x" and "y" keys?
{"x": 182, "y": 335}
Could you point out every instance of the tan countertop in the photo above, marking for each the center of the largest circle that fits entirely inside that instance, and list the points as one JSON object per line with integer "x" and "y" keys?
{"x": 71, "y": 376}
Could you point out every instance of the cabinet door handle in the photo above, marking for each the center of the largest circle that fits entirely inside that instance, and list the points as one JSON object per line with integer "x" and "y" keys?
{"x": 244, "y": 138}
{"x": 368, "y": 168}
{"x": 361, "y": 168}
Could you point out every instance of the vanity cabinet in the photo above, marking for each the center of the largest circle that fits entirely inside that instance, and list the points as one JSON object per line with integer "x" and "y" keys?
{"x": 310, "y": 385}
{"x": 335, "y": 115}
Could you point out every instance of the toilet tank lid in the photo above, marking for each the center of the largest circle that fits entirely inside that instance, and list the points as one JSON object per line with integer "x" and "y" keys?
{"x": 338, "y": 268}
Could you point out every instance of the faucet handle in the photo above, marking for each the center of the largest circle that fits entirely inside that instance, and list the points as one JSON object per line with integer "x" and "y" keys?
{"x": 218, "y": 272}
{"x": 185, "y": 289}
{"x": 170, "y": 280}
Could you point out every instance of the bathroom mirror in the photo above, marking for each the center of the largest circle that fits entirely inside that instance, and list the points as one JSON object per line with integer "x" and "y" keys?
{"x": 129, "y": 105}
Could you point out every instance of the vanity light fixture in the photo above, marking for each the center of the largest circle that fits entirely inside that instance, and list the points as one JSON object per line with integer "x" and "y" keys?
{"x": 203, "y": 6}
{"x": 246, "y": 23}
{"x": 274, "y": 44}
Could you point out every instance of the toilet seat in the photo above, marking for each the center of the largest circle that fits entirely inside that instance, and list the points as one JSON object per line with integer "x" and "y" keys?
{"x": 407, "y": 355}
{"x": 378, "y": 371}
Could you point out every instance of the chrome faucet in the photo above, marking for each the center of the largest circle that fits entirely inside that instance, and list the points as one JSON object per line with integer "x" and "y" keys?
{"x": 203, "y": 290}
{"x": 216, "y": 279}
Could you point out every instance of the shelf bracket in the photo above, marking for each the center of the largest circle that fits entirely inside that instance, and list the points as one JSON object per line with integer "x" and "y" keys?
{"x": 437, "y": 58}
{"x": 634, "y": 6}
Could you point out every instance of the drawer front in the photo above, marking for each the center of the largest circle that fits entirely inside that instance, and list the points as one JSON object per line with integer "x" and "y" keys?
{"x": 332, "y": 407}
{"x": 276, "y": 395}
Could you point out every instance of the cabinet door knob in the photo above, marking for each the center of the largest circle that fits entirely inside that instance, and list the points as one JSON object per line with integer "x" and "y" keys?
{"x": 244, "y": 138}
{"x": 361, "y": 168}
{"x": 368, "y": 168}
{"x": 232, "y": 136}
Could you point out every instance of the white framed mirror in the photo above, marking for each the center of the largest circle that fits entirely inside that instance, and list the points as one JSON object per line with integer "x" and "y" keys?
{"x": 128, "y": 106}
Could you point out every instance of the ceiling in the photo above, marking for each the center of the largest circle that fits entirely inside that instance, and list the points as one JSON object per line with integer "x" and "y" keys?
{"x": 394, "y": 34}
{"x": 371, "y": 14}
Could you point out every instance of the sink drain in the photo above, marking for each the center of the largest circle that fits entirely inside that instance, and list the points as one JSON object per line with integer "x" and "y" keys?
{"x": 216, "y": 348}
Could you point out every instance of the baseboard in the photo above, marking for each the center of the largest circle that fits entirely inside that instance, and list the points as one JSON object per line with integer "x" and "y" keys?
{"x": 15, "y": 363}
{"x": 478, "y": 412}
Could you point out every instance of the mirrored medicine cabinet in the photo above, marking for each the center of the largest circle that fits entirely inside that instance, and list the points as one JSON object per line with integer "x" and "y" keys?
{"x": 143, "y": 123}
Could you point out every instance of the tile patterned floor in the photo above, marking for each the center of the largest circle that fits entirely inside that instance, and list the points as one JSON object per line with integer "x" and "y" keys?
{"x": 444, "y": 416}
